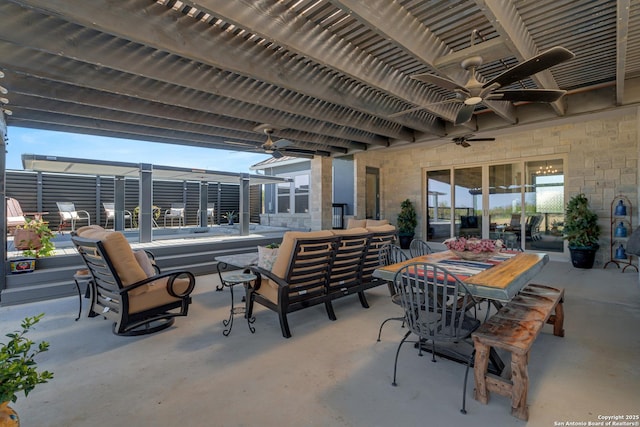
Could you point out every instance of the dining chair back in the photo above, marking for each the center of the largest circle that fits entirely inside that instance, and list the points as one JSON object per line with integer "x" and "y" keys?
{"x": 438, "y": 308}
{"x": 391, "y": 254}
{"x": 419, "y": 247}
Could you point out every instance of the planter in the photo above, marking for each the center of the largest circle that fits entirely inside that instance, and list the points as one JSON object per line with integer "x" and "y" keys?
{"x": 22, "y": 265}
{"x": 8, "y": 417}
{"x": 583, "y": 257}
{"x": 405, "y": 240}
{"x": 26, "y": 239}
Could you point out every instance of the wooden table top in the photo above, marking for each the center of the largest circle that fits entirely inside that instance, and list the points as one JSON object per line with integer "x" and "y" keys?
{"x": 500, "y": 282}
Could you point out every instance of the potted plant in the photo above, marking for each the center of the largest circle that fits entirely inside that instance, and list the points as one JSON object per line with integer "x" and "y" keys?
{"x": 34, "y": 238}
{"x": 582, "y": 231}
{"x": 230, "y": 216}
{"x": 18, "y": 369}
{"x": 407, "y": 222}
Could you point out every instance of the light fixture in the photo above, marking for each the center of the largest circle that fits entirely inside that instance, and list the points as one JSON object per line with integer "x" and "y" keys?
{"x": 547, "y": 170}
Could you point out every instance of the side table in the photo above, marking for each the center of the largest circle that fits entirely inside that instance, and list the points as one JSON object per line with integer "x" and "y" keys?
{"x": 82, "y": 277}
{"x": 230, "y": 281}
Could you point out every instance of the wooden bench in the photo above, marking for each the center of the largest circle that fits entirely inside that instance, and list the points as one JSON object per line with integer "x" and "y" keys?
{"x": 514, "y": 329}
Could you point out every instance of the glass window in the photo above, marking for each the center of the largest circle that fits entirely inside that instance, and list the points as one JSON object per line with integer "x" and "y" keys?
{"x": 438, "y": 205}
{"x": 294, "y": 194}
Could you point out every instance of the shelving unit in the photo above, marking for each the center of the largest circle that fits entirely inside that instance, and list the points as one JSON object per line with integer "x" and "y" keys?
{"x": 617, "y": 240}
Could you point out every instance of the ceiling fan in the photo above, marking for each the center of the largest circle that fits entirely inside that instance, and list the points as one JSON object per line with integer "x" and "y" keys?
{"x": 465, "y": 139}
{"x": 475, "y": 92}
{"x": 282, "y": 147}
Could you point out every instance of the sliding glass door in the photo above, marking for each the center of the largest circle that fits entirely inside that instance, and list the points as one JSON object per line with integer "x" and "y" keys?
{"x": 521, "y": 202}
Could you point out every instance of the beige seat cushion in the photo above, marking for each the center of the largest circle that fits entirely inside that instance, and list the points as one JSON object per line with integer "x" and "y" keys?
{"x": 268, "y": 288}
{"x": 156, "y": 295}
{"x": 382, "y": 228}
{"x": 376, "y": 222}
{"x": 356, "y": 223}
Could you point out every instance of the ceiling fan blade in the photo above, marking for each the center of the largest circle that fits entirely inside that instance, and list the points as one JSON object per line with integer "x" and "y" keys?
{"x": 281, "y": 143}
{"x": 277, "y": 154}
{"x": 481, "y": 139}
{"x": 538, "y": 63}
{"x": 411, "y": 110}
{"x": 440, "y": 81}
{"x": 464, "y": 115}
{"x": 528, "y": 95}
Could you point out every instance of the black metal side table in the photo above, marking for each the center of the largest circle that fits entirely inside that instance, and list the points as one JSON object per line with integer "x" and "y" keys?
{"x": 230, "y": 280}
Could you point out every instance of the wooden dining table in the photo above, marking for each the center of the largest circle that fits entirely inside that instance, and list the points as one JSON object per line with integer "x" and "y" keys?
{"x": 498, "y": 279}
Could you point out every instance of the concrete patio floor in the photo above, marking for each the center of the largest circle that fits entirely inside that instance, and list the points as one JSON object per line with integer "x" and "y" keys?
{"x": 328, "y": 373}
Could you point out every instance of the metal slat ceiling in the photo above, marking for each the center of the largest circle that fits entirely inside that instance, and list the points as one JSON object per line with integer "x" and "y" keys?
{"x": 329, "y": 75}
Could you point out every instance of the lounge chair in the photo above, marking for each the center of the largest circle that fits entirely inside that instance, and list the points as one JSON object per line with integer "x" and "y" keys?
{"x": 15, "y": 216}
{"x": 127, "y": 288}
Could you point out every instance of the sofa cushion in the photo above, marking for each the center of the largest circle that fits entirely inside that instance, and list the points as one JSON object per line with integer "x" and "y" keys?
{"x": 356, "y": 231}
{"x": 376, "y": 222}
{"x": 382, "y": 228}
{"x": 356, "y": 223}
{"x": 281, "y": 265}
{"x": 269, "y": 289}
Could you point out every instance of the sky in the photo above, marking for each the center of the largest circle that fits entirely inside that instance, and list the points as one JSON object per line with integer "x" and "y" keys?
{"x": 35, "y": 141}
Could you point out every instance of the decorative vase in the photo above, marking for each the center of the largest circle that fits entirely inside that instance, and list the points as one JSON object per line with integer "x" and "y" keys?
{"x": 8, "y": 417}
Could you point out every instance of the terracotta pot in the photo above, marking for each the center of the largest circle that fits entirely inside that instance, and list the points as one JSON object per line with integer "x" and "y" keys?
{"x": 26, "y": 239}
{"x": 8, "y": 417}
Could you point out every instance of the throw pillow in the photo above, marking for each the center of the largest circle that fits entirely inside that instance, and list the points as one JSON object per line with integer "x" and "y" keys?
{"x": 266, "y": 257}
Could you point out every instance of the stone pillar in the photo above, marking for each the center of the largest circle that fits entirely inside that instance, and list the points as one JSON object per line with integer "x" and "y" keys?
{"x": 321, "y": 196}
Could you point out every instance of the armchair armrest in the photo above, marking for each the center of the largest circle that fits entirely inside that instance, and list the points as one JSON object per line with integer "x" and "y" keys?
{"x": 259, "y": 271}
{"x": 172, "y": 276}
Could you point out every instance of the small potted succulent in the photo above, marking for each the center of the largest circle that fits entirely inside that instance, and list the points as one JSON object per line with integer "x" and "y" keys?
{"x": 18, "y": 369}
{"x": 230, "y": 216}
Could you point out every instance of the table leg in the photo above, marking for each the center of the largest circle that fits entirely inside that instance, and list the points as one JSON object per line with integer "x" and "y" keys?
{"x": 229, "y": 322}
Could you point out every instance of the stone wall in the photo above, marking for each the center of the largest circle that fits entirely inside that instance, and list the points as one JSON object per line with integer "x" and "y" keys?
{"x": 600, "y": 154}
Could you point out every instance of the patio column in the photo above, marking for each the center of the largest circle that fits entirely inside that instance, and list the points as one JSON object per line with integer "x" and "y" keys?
{"x": 321, "y": 193}
{"x": 3, "y": 190}
{"x": 118, "y": 199}
{"x": 145, "y": 220}
{"x": 204, "y": 201}
{"x": 244, "y": 205}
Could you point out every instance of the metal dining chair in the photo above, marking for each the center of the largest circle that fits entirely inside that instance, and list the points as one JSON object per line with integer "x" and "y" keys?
{"x": 391, "y": 254}
{"x": 438, "y": 309}
{"x": 419, "y": 247}
{"x": 68, "y": 213}
{"x": 110, "y": 212}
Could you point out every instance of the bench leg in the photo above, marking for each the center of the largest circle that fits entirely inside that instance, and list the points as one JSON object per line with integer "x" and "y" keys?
{"x": 558, "y": 320}
{"x": 520, "y": 380}
{"x": 481, "y": 362}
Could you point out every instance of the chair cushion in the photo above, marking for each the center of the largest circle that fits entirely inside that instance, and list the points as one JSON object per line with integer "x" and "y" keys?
{"x": 156, "y": 294}
{"x": 88, "y": 231}
{"x": 176, "y": 211}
